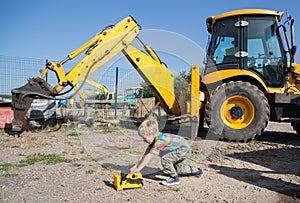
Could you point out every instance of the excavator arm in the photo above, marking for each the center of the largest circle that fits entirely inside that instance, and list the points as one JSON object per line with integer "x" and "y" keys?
{"x": 150, "y": 68}
{"x": 104, "y": 46}
{"x": 99, "y": 86}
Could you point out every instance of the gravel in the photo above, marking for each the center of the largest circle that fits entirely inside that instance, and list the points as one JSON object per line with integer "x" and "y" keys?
{"x": 263, "y": 170}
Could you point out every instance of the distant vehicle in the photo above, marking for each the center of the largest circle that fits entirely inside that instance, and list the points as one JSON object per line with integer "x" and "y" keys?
{"x": 63, "y": 103}
{"x": 131, "y": 94}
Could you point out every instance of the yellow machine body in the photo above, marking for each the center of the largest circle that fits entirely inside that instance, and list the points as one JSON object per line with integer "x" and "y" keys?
{"x": 271, "y": 82}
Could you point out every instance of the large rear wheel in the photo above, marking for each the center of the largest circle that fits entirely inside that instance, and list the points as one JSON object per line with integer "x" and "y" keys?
{"x": 237, "y": 111}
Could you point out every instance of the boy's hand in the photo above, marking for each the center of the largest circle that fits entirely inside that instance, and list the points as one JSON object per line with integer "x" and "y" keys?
{"x": 134, "y": 170}
{"x": 141, "y": 163}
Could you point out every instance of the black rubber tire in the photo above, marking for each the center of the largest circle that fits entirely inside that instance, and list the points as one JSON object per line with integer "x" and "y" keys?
{"x": 296, "y": 126}
{"x": 237, "y": 89}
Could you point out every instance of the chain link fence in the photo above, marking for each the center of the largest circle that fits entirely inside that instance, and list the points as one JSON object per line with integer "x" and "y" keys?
{"x": 16, "y": 70}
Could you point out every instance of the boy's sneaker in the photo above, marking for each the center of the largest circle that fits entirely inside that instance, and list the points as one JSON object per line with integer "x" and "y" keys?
{"x": 171, "y": 181}
{"x": 198, "y": 173}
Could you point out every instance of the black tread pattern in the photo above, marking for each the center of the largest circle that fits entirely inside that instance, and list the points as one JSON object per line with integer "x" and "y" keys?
{"x": 260, "y": 102}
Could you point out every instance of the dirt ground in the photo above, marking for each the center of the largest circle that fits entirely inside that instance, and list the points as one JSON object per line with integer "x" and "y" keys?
{"x": 263, "y": 170}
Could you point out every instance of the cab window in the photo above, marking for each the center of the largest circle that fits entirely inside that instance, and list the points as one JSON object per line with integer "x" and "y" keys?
{"x": 224, "y": 43}
{"x": 264, "y": 53}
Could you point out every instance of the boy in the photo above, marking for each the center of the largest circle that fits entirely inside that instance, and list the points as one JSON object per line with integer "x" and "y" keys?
{"x": 173, "y": 161}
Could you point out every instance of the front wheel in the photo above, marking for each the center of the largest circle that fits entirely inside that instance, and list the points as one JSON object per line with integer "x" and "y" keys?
{"x": 237, "y": 111}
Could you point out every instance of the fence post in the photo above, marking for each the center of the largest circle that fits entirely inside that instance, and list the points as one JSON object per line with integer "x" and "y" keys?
{"x": 116, "y": 92}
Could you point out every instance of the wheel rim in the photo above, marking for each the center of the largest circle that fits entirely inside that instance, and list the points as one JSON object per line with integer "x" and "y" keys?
{"x": 237, "y": 112}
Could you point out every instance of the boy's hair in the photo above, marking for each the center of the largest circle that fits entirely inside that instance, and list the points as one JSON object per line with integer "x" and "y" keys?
{"x": 147, "y": 127}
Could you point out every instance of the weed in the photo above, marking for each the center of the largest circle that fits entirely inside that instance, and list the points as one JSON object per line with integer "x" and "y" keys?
{"x": 74, "y": 134}
{"x": 8, "y": 175}
{"x": 43, "y": 158}
{"x": 21, "y": 165}
{"x": 5, "y": 166}
{"x": 108, "y": 129}
{"x": 89, "y": 171}
{"x": 26, "y": 142}
{"x": 177, "y": 189}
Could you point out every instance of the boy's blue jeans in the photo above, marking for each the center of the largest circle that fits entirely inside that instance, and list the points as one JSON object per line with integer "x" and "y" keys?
{"x": 175, "y": 162}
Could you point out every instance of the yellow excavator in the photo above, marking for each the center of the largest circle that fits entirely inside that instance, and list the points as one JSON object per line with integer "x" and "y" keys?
{"x": 104, "y": 46}
{"x": 103, "y": 94}
{"x": 250, "y": 75}
{"x": 104, "y": 97}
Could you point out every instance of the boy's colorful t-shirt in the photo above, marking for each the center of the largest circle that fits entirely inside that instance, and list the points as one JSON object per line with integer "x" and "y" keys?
{"x": 168, "y": 142}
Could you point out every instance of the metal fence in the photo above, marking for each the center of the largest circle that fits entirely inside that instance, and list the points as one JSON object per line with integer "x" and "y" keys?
{"x": 16, "y": 70}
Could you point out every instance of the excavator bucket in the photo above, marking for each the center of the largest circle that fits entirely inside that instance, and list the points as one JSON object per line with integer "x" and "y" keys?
{"x": 22, "y": 98}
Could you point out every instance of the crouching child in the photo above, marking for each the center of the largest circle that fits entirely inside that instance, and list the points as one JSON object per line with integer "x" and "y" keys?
{"x": 176, "y": 151}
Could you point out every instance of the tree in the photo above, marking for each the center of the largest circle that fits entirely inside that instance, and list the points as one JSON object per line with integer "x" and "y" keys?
{"x": 147, "y": 92}
{"x": 182, "y": 81}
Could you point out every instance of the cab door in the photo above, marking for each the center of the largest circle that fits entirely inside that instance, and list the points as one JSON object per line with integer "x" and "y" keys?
{"x": 224, "y": 46}
{"x": 264, "y": 50}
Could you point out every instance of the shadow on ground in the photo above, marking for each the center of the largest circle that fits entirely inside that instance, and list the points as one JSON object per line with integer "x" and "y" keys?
{"x": 280, "y": 138}
{"x": 257, "y": 178}
{"x": 279, "y": 164}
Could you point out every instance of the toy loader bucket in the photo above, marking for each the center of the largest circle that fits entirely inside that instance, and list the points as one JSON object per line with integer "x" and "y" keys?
{"x": 22, "y": 98}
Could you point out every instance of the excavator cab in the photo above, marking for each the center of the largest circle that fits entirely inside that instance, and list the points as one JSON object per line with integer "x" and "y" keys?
{"x": 248, "y": 42}
{"x": 250, "y": 74}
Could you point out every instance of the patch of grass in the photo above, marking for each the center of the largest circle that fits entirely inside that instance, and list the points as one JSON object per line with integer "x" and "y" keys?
{"x": 26, "y": 142}
{"x": 108, "y": 129}
{"x": 176, "y": 189}
{"x": 32, "y": 159}
{"x": 74, "y": 134}
{"x": 21, "y": 165}
{"x": 5, "y": 166}
{"x": 9, "y": 175}
{"x": 43, "y": 158}
{"x": 89, "y": 171}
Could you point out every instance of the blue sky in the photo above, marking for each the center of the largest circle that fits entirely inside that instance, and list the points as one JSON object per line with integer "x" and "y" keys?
{"x": 51, "y": 29}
